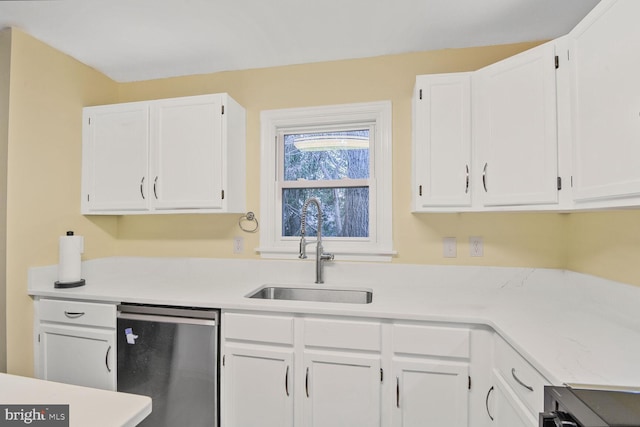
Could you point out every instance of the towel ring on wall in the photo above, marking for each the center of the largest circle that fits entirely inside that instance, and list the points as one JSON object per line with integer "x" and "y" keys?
{"x": 248, "y": 217}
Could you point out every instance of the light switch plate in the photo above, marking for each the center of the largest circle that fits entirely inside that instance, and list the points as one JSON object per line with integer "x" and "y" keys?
{"x": 449, "y": 247}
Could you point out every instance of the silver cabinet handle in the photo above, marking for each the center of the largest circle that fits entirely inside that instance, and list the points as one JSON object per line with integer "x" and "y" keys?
{"x": 155, "y": 184}
{"x": 466, "y": 184}
{"x": 484, "y": 177}
{"x": 142, "y": 188}
{"x": 286, "y": 381}
{"x": 486, "y": 402}
{"x": 306, "y": 383}
{"x": 513, "y": 373}
{"x": 74, "y": 314}
{"x": 106, "y": 359}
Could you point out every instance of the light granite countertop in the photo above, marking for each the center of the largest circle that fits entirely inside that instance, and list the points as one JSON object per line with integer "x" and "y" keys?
{"x": 574, "y": 328}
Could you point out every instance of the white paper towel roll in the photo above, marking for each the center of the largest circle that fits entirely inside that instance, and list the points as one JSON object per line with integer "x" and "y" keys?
{"x": 69, "y": 266}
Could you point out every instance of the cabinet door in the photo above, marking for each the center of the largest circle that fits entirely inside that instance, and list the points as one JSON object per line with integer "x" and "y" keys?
{"x": 187, "y": 153}
{"x": 341, "y": 389}
{"x": 430, "y": 393}
{"x": 505, "y": 409}
{"x": 78, "y": 355}
{"x": 257, "y": 386}
{"x": 515, "y": 124}
{"x": 115, "y": 158}
{"x": 442, "y": 140}
{"x": 606, "y": 110}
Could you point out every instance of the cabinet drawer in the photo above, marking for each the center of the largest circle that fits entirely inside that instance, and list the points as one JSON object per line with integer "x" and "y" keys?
{"x": 431, "y": 340}
{"x": 257, "y": 327}
{"x": 527, "y": 383}
{"x": 348, "y": 334}
{"x": 77, "y": 313}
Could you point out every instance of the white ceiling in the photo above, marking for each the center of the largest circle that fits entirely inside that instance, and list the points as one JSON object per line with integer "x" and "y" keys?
{"x": 131, "y": 40}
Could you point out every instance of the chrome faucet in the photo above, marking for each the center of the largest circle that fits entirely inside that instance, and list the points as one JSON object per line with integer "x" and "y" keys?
{"x": 321, "y": 257}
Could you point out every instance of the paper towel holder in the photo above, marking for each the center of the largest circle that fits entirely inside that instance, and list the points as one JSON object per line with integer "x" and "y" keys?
{"x": 64, "y": 285}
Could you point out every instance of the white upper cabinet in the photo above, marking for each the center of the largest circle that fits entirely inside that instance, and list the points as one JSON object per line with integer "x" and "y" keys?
{"x": 515, "y": 130}
{"x": 165, "y": 156}
{"x": 606, "y": 105}
{"x": 442, "y": 141}
{"x": 115, "y": 161}
{"x": 489, "y": 140}
{"x": 187, "y": 143}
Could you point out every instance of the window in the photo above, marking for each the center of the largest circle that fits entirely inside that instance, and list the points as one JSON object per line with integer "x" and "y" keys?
{"x": 332, "y": 166}
{"x": 340, "y": 155}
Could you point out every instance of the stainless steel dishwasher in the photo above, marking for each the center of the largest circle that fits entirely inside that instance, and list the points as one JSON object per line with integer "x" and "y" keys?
{"x": 171, "y": 355}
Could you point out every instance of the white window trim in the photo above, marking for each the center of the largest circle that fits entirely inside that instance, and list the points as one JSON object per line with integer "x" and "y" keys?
{"x": 380, "y": 245}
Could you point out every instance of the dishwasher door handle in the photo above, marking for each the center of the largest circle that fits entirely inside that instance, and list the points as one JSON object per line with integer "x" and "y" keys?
{"x": 166, "y": 319}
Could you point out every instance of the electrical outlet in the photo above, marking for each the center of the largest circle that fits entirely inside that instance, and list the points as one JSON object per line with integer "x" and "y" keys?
{"x": 476, "y": 246}
{"x": 238, "y": 245}
{"x": 449, "y": 249}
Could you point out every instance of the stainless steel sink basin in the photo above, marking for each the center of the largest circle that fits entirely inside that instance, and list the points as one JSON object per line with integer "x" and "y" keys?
{"x": 350, "y": 296}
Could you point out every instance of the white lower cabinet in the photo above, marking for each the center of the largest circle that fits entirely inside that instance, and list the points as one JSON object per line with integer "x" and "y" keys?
{"x": 341, "y": 389}
{"x": 342, "y": 371}
{"x": 257, "y": 379}
{"x": 281, "y": 370}
{"x": 77, "y": 343}
{"x": 504, "y": 407}
{"x": 301, "y": 370}
{"x": 516, "y": 396}
{"x": 430, "y": 393}
{"x": 77, "y": 355}
{"x": 258, "y": 386}
{"x": 430, "y": 375}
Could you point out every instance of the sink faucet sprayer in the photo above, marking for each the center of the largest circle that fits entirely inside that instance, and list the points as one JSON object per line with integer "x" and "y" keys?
{"x": 320, "y": 255}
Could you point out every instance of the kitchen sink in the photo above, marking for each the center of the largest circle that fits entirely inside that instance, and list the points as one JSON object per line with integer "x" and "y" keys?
{"x": 292, "y": 293}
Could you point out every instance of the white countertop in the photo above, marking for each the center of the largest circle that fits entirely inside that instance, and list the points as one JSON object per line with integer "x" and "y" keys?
{"x": 572, "y": 327}
{"x": 87, "y": 406}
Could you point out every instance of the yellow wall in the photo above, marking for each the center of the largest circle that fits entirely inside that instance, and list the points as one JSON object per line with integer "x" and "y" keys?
{"x": 5, "y": 59}
{"x": 511, "y": 239}
{"x": 48, "y": 91}
{"x": 605, "y": 244}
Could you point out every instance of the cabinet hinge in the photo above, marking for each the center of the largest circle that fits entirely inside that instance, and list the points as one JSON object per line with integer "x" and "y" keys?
{"x": 89, "y": 120}
{"x": 38, "y": 337}
{"x": 88, "y": 197}
{"x": 223, "y": 107}
{"x": 420, "y": 93}
{"x": 571, "y": 181}
{"x": 420, "y": 190}
{"x": 381, "y": 375}
{"x": 222, "y": 194}
{"x": 469, "y": 382}
{"x": 224, "y": 359}
{"x": 559, "y": 183}
{"x": 557, "y": 62}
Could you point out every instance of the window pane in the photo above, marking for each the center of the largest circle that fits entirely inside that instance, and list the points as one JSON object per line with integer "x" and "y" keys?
{"x": 345, "y": 211}
{"x": 326, "y": 155}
